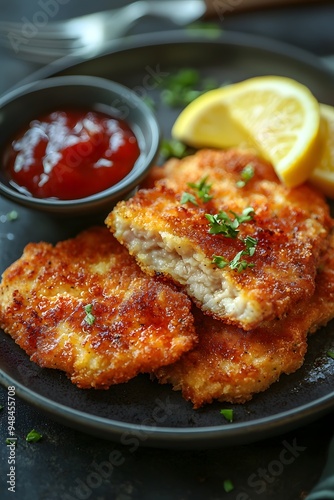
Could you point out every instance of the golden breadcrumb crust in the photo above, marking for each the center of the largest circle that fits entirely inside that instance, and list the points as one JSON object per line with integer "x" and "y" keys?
{"x": 132, "y": 324}
{"x": 172, "y": 239}
{"x": 232, "y": 365}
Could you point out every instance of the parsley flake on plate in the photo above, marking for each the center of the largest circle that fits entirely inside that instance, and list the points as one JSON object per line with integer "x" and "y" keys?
{"x": 228, "y": 485}
{"x": 33, "y": 436}
{"x": 228, "y": 414}
{"x": 185, "y": 86}
{"x": 173, "y": 148}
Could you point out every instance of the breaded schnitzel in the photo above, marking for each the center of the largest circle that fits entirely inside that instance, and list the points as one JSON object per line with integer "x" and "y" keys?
{"x": 245, "y": 252}
{"x": 232, "y": 365}
{"x": 85, "y": 307}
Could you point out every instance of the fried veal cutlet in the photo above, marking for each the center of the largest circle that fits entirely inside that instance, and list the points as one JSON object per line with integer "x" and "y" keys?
{"x": 232, "y": 365}
{"x": 85, "y": 307}
{"x": 245, "y": 251}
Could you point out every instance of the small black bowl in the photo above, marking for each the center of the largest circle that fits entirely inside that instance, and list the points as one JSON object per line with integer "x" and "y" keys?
{"x": 20, "y": 106}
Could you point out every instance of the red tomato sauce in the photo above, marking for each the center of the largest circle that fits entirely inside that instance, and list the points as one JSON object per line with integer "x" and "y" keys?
{"x": 70, "y": 154}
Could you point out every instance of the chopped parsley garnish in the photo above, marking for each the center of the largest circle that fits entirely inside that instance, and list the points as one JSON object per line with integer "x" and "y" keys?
{"x": 330, "y": 354}
{"x": 228, "y": 414}
{"x": 250, "y": 243}
{"x": 9, "y": 217}
{"x": 185, "y": 86}
{"x": 201, "y": 189}
{"x": 33, "y": 436}
{"x": 246, "y": 175}
{"x": 240, "y": 265}
{"x": 237, "y": 263}
{"x": 228, "y": 486}
{"x": 221, "y": 223}
{"x": 12, "y": 215}
{"x": 220, "y": 261}
{"x": 90, "y": 318}
{"x": 188, "y": 198}
{"x": 173, "y": 148}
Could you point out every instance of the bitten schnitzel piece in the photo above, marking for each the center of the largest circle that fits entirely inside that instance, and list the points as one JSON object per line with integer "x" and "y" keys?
{"x": 241, "y": 244}
{"x": 85, "y": 307}
{"x": 232, "y": 365}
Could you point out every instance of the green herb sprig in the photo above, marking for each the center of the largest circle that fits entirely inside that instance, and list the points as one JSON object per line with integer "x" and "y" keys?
{"x": 9, "y": 217}
{"x": 201, "y": 189}
{"x": 33, "y": 436}
{"x": 89, "y": 318}
{"x": 246, "y": 175}
{"x": 228, "y": 485}
{"x": 237, "y": 263}
{"x": 173, "y": 148}
{"x": 184, "y": 86}
{"x": 240, "y": 265}
{"x": 228, "y": 414}
{"x": 221, "y": 223}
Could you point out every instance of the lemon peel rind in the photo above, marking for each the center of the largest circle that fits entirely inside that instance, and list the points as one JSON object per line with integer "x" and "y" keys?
{"x": 322, "y": 176}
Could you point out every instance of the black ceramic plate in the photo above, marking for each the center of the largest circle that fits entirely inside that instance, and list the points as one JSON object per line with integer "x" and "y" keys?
{"x": 141, "y": 411}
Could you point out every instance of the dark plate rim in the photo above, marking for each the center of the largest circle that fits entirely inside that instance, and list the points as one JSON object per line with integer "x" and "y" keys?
{"x": 225, "y": 434}
{"x": 233, "y": 433}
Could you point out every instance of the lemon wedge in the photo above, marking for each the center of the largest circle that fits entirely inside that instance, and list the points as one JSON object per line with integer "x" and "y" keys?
{"x": 278, "y": 116}
{"x": 323, "y": 175}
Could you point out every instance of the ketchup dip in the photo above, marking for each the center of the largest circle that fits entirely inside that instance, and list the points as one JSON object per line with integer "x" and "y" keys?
{"x": 70, "y": 154}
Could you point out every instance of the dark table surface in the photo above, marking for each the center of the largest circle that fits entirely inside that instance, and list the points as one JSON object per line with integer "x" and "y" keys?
{"x": 68, "y": 464}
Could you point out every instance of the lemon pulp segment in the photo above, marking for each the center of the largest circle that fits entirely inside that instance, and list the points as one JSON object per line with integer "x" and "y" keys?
{"x": 278, "y": 116}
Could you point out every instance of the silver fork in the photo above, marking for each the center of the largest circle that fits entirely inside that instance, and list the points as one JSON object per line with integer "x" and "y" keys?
{"x": 44, "y": 42}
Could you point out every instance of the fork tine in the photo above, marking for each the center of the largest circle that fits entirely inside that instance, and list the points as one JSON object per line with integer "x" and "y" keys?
{"x": 41, "y": 52}
{"x": 40, "y": 44}
{"x": 59, "y": 38}
{"x": 15, "y": 31}
{"x": 55, "y": 28}
{"x": 42, "y": 55}
{"x": 67, "y": 28}
{"x": 56, "y": 43}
